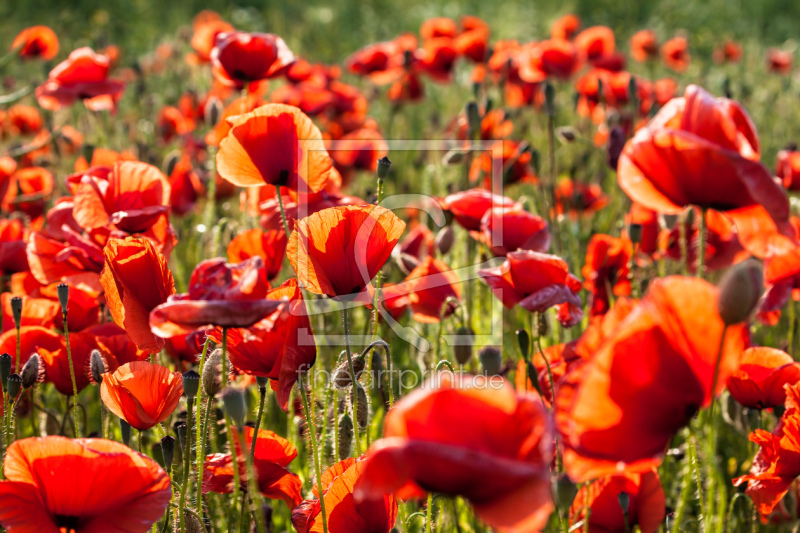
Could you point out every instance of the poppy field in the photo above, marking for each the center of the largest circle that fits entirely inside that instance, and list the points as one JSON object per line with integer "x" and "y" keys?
{"x": 432, "y": 270}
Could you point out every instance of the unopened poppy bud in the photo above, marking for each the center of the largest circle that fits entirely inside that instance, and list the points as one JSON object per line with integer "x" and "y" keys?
{"x": 212, "y": 374}
{"x": 97, "y": 366}
{"x": 445, "y": 239}
{"x": 191, "y": 523}
{"x": 63, "y": 296}
{"x": 168, "y": 451}
{"x": 13, "y": 386}
{"x": 462, "y": 351}
{"x": 213, "y": 111}
{"x": 624, "y": 501}
{"x": 406, "y": 262}
{"x": 566, "y": 134}
{"x": 345, "y": 436}
{"x": 125, "y": 431}
{"x": 191, "y": 384}
{"x": 16, "y": 311}
{"x": 233, "y": 401}
{"x": 739, "y": 292}
{"x": 491, "y": 358}
{"x": 5, "y": 368}
{"x": 453, "y": 158}
{"x": 616, "y": 142}
{"x": 524, "y": 341}
{"x": 383, "y": 167}
{"x": 564, "y": 491}
{"x": 170, "y": 161}
{"x": 635, "y": 233}
{"x": 341, "y": 376}
{"x": 549, "y": 99}
{"x": 473, "y": 119}
{"x": 262, "y": 383}
{"x": 31, "y": 370}
{"x": 180, "y": 430}
{"x": 362, "y": 403}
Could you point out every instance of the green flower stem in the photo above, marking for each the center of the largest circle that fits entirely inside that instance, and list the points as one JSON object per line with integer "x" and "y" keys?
{"x": 316, "y": 457}
{"x": 72, "y": 376}
{"x": 187, "y": 452}
{"x": 354, "y": 397}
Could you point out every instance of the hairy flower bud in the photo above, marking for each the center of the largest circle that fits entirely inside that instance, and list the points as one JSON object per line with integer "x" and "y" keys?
{"x": 212, "y": 374}
{"x": 739, "y": 291}
{"x": 383, "y": 167}
{"x": 362, "y": 404}
{"x": 32, "y": 372}
{"x": 524, "y": 341}
{"x": 444, "y": 239}
{"x": 462, "y": 351}
{"x": 345, "y": 436}
{"x": 341, "y": 376}
{"x": 97, "y": 366}
{"x": 491, "y": 358}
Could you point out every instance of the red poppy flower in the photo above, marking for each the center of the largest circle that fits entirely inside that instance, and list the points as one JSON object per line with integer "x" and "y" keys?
{"x": 185, "y": 187}
{"x": 777, "y": 462}
{"x": 473, "y": 41}
{"x": 646, "y": 380}
{"x": 60, "y": 484}
{"x": 56, "y": 360}
{"x": 560, "y": 358}
{"x": 419, "y": 242}
{"x": 781, "y": 279}
{"x": 243, "y": 104}
{"x": 429, "y": 286}
{"x": 338, "y": 251}
{"x": 702, "y": 151}
{"x": 82, "y": 76}
{"x": 75, "y": 259}
{"x": 507, "y": 230}
{"x": 438, "y": 27}
{"x": 729, "y": 52}
{"x": 220, "y": 294}
{"x": 644, "y": 46}
{"x": 577, "y": 198}
{"x": 722, "y": 243}
{"x": 301, "y": 206}
{"x": 32, "y": 340}
{"x": 275, "y": 145}
{"x": 408, "y": 88}
{"x": 239, "y": 58}
{"x": 279, "y": 350}
{"x": 556, "y": 58}
{"x": 759, "y": 382}
{"x": 650, "y": 227}
{"x": 469, "y": 207}
{"x": 101, "y": 157}
{"x": 36, "y": 42}
{"x": 565, "y": 27}
{"x": 536, "y": 282}
{"x": 35, "y": 312}
{"x": 343, "y": 514}
{"x": 273, "y": 455}
{"x": 779, "y": 61}
{"x": 437, "y": 58}
{"x": 607, "y": 270}
{"x": 114, "y": 345}
{"x": 646, "y": 503}
{"x": 24, "y": 120}
{"x": 207, "y": 25}
{"x": 595, "y": 43}
{"x": 136, "y": 280}
{"x": 173, "y": 123}
{"x": 382, "y": 62}
{"x": 132, "y": 196}
{"x": 675, "y": 53}
{"x": 787, "y": 168}
{"x": 28, "y": 189}
{"x": 486, "y": 443}
{"x": 141, "y": 393}
{"x": 269, "y": 245}
{"x": 12, "y": 246}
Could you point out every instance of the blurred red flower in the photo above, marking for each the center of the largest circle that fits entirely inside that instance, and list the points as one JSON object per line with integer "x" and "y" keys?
{"x": 269, "y": 245}
{"x": 13, "y": 236}
{"x": 82, "y": 76}
{"x": 675, "y": 53}
{"x": 36, "y": 42}
{"x": 644, "y": 46}
{"x": 606, "y": 270}
{"x": 429, "y": 286}
{"x": 207, "y": 25}
{"x": 240, "y": 58}
{"x": 469, "y": 207}
{"x": 508, "y": 229}
{"x": 565, "y": 27}
{"x": 760, "y": 381}
{"x": 779, "y": 61}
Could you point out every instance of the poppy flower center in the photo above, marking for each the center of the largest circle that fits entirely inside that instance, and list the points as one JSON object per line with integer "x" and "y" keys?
{"x": 66, "y": 523}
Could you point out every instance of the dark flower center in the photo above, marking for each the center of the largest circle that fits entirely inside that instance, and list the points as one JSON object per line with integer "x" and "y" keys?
{"x": 69, "y": 523}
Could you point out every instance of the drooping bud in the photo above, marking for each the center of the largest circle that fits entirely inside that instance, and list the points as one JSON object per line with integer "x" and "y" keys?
{"x": 362, "y": 404}
{"x": 13, "y": 386}
{"x": 32, "y": 371}
{"x": 406, "y": 262}
{"x": 383, "y": 167}
{"x": 491, "y": 358}
{"x": 191, "y": 384}
{"x": 125, "y": 430}
{"x": 345, "y": 436}
{"x": 212, "y": 111}
{"x": 212, "y": 374}
{"x": 444, "y": 239}
{"x": 170, "y": 161}
{"x": 473, "y": 119}
{"x": 16, "y": 311}
{"x": 341, "y": 376}
{"x": 97, "y": 366}
{"x": 739, "y": 291}
{"x": 233, "y": 401}
{"x": 462, "y": 350}
{"x": 5, "y": 368}
{"x": 63, "y": 296}
{"x": 524, "y": 341}
{"x": 453, "y": 157}
{"x": 191, "y": 523}
{"x": 566, "y": 134}
{"x": 564, "y": 491}
{"x": 168, "y": 451}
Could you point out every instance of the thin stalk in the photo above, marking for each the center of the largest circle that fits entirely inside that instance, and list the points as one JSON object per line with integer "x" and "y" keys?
{"x": 353, "y": 398}
{"x": 262, "y": 393}
{"x": 224, "y": 376}
{"x": 428, "y": 513}
{"x": 19, "y": 351}
{"x": 701, "y": 250}
{"x": 72, "y": 376}
{"x": 200, "y": 447}
{"x": 187, "y": 452}
{"x": 252, "y": 482}
{"x": 229, "y": 430}
{"x": 317, "y": 467}
{"x": 283, "y": 211}
{"x": 684, "y": 236}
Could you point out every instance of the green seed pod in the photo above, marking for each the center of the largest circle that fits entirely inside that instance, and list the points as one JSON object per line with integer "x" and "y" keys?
{"x": 345, "y": 437}
{"x": 6, "y": 361}
{"x": 463, "y": 350}
{"x": 233, "y": 401}
{"x": 564, "y": 491}
{"x": 383, "y": 167}
{"x": 635, "y": 233}
{"x": 16, "y": 311}
{"x": 191, "y": 384}
{"x": 168, "y": 451}
{"x": 13, "y": 386}
{"x": 624, "y": 501}
{"x": 63, "y": 296}
{"x": 341, "y": 376}
{"x": 262, "y": 383}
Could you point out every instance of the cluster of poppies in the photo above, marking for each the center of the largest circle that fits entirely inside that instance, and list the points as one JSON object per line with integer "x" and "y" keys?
{"x": 628, "y": 358}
